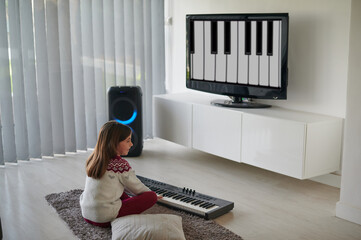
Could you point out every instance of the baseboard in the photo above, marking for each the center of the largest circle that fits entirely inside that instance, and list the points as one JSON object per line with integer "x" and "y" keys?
{"x": 331, "y": 179}
{"x": 349, "y": 213}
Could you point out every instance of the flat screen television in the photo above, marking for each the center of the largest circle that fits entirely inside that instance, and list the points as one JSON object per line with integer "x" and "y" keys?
{"x": 243, "y": 56}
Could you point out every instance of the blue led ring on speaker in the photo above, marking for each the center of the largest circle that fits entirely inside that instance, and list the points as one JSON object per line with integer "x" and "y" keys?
{"x": 130, "y": 120}
{"x": 134, "y": 114}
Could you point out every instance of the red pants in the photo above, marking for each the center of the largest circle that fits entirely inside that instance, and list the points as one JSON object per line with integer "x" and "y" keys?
{"x": 132, "y": 205}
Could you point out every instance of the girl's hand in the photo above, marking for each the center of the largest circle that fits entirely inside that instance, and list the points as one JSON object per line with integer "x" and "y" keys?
{"x": 159, "y": 197}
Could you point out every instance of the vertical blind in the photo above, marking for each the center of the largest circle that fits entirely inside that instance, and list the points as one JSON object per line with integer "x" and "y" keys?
{"x": 57, "y": 60}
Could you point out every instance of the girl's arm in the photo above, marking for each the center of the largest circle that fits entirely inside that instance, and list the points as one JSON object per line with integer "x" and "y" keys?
{"x": 132, "y": 183}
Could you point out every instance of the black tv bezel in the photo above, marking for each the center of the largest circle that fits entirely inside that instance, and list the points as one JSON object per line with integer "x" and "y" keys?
{"x": 241, "y": 90}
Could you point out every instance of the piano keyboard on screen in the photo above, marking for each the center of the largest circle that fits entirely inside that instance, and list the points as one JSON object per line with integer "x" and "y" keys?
{"x": 246, "y": 51}
{"x": 188, "y": 200}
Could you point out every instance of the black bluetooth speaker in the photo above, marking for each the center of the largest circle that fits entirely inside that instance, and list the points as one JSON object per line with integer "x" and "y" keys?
{"x": 125, "y": 106}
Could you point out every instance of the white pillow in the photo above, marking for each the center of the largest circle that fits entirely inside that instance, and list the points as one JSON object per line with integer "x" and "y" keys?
{"x": 148, "y": 227}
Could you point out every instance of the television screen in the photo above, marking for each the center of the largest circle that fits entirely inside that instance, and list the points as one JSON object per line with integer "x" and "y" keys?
{"x": 243, "y": 56}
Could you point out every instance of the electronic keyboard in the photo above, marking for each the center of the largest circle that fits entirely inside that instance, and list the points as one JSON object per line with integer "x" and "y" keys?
{"x": 188, "y": 200}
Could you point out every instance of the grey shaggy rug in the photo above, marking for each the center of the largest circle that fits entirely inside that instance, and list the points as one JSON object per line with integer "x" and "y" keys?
{"x": 67, "y": 206}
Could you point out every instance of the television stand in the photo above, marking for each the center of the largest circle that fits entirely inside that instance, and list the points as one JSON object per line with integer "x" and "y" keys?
{"x": 294, "y": 143}
{"x": 238, "y": 102}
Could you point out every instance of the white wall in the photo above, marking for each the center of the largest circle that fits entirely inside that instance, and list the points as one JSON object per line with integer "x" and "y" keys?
{"x": 349, "y": 206}
{"x": 318, "y": 48}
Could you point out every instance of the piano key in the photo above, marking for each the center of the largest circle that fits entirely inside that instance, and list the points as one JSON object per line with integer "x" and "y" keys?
{"x": 207, "y": 205}
{"x": 161, "y": 191}
{"x": 242, "y": 57}
{"x": 191, "y": 37}
{"x": 210, "y": 205}
{"x": 232, "y": 61}
{"x": 259, "y": 38}
{"x": 264, "y": 59}
{"x": 191, "y": 47}
{"x": 204, "y": 205}
{"x": 253, "y": 58}
{"x": 197, "y": 202}
{"x": 209, "y": 50}
{"x": 275, "y": 60}
{"x": 178, "y": 197}
{"x": 197, "y": 56}
{"x": 227, "y": 37}
{"x": 187, "y": 199}
{"x": 184, "y": 198}
{"x": 214, "y": 45}
{"x": 269, "y": 38}
{"x": 247, "y": 37}
{"x": 191, "y": 200}
{"x": 220, "y": 57}
{"x": 169, "y": 194}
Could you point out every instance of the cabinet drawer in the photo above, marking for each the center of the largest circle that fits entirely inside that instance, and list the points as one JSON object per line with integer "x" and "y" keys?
{"x": 173, "y": 121}
{"x": 274, "y": 144}
{"x": 217, "y": 131}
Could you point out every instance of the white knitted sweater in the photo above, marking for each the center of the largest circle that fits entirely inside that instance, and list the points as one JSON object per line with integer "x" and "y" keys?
{"x": 100, "y": 202}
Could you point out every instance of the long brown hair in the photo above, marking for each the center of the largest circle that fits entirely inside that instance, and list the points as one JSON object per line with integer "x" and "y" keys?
{"x": 109, "y": 137}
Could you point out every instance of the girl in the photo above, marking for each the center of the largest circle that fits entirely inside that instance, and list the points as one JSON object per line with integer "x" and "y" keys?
{"x": 108, "y": 175}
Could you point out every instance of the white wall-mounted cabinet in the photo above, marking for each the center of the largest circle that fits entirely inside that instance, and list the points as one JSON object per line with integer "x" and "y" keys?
{"x": 293, "y": 143}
